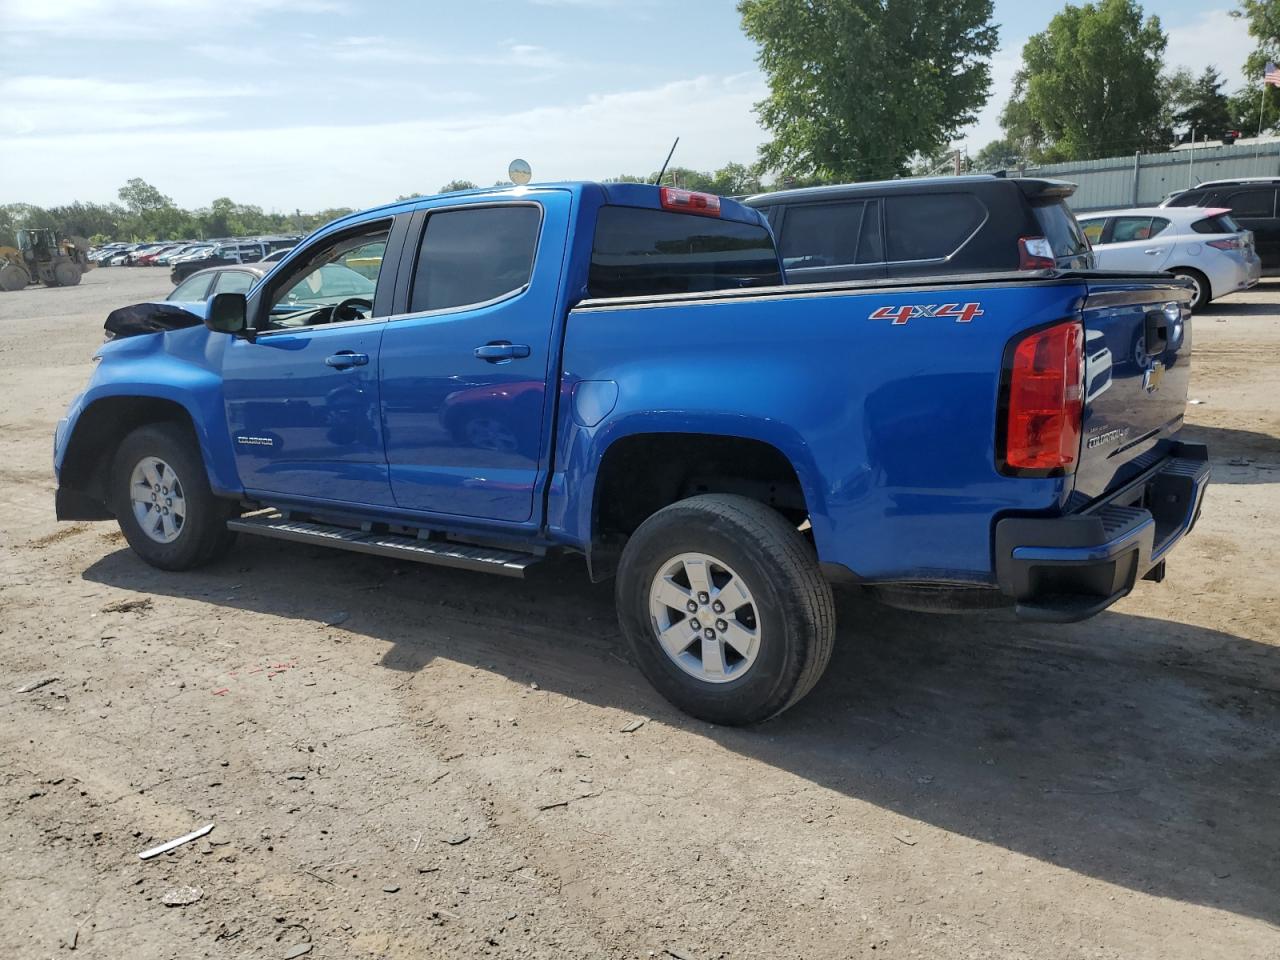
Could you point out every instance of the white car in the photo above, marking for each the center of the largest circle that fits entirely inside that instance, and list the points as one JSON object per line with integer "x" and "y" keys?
{"x": 1201, "y": 244}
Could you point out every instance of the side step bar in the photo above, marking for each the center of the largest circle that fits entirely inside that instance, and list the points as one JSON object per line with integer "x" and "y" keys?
{"x": 507, "y": 563}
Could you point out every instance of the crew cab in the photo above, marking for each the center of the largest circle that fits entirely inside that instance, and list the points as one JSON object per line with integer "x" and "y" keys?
{"x": 618, "y": 371}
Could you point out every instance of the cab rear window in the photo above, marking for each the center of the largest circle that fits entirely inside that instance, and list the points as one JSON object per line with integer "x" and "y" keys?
{"x": 640, "y": 252}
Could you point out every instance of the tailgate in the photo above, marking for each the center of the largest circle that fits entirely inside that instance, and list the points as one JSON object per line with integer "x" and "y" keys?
{"x": 1137, "y": 372}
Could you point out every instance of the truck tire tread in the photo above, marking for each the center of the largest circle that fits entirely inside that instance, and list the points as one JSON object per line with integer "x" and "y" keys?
{"x": 808, "y": 606}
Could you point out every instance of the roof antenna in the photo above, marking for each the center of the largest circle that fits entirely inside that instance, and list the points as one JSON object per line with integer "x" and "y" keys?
{"x": 667, "y": 161}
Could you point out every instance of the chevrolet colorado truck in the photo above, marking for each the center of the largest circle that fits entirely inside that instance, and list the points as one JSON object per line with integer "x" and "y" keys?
{"x": 618, "y": 371}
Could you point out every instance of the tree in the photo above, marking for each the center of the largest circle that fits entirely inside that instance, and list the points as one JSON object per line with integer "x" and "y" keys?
{"x": 1246, "y": 105}
{"x": 1197, "y": 103}
{"x": 1002, "y": 154}
{"x": 455, "y": 185}
{"x": 859, "y": 87}
{"x": 141, "y": 197}
{"x": 1089, "y": 85}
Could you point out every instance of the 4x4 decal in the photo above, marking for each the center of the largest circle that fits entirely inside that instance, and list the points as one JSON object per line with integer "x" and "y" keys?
{"x": 963, "y": 312}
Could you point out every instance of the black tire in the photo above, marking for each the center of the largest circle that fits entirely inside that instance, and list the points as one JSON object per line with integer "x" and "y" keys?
{"x": 67, "y": 273}
{"x": 203, "y": 535}
{"x": 1204, "y": 293}
{"x": 792, "y": 602}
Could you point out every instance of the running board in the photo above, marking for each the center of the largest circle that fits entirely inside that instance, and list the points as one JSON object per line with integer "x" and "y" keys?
{"x": 507, "y": 563}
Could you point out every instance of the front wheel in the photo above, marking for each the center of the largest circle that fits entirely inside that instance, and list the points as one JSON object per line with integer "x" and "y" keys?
{"x": 162, "y": 500}
{"x": 725, "y": 608}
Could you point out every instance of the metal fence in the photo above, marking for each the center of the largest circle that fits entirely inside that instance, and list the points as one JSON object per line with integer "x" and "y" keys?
{"x": 1147, "y": 178}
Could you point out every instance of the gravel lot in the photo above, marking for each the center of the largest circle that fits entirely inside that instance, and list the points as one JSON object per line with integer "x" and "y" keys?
{"x": 408, "y": 762}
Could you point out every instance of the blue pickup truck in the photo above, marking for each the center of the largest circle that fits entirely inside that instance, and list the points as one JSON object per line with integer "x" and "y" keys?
{"x": 618, "y": 371}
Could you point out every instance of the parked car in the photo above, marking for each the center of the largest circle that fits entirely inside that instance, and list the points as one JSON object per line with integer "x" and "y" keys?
{"x": 1204, "y": 246}
{"x": 1252, "y": 202}
{"x": 169, "y": 256}
{"x": 276, "y": 255}
{"x": 200, "y": 286}
{"x": 194, "y": 253}
{"x": 615, "y": 370}
{"x": 148, "y": 259}
{"x": 141, "y": 250}
{"x": 238, "y": 251}
{"x": 103, "y": 255}
{"x": 922, "y": 227}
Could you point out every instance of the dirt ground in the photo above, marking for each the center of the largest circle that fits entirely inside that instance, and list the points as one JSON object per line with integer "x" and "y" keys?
{"x": 401, "y": 761}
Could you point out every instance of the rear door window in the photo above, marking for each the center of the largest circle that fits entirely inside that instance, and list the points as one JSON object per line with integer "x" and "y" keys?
{"x": 475, "y": 255}
{"x": 931, "y": 226}
{"x": 642, "y": 252}
{"x": 1128, "y": 229}
{"x": 831, "y": 234}
{"x": 1092, "y": 229}
{"x": 1254, "y": 202}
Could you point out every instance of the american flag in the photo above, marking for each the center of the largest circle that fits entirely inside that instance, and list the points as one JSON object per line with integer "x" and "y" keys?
{"x": 1271, "y": 75}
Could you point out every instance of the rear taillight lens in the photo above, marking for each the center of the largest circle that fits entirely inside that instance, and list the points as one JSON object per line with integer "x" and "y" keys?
{"x": 1234, "y": 243}
{"x": 1035, "y": 253}
{"x": 1044, "y": 393}
{"x": 687, "y": 201}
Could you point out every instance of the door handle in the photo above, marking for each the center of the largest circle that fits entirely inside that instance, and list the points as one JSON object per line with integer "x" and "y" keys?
{"x": 500, "y": 350}
{"x": 346, "y": 359}
{"x": 1152, "y": 253}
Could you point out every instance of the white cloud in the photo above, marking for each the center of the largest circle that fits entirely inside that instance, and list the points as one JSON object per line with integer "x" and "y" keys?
{"x": 34, "y": 105}
{"x": 143, "y": 18}
{"x": 355, "y": 165}
{"x": 1212, "y": 38}
{"x": 376, "y": 51}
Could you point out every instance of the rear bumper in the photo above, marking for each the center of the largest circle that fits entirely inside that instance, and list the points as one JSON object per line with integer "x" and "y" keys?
{"x": 1064, "y": 569}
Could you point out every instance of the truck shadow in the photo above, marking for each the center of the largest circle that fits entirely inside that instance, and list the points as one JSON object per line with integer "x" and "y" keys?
{"x": 1239, "y": 456}
{"x": 1138, "y": 751}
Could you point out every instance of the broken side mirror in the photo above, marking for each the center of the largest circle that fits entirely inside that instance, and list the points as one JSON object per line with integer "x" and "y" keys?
{"x": 227, "y": 313}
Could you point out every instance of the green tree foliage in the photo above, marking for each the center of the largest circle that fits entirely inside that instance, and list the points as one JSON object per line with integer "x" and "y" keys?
{"x": 455, "y": 185}
{"x": 859, "y": 87}
{"x": 731, "y": 180}
{"x": 1002, "y": 154}
{"x": 1089, "y": 85}
{"x": 1263, "y": 17}
{"x": 1197, "y": 103}
{"x": 147, "y": 214}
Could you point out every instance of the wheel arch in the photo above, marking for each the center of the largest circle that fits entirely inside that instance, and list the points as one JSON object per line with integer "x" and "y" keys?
{"x": 637, "y": 471}
{"x": 1202, "y": 278}
{"x": 96, "y": 434}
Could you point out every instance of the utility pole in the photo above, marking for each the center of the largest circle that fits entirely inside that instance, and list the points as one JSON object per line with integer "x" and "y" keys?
{"x": 1191, "y": 163}
{"x": 959, "y": 164}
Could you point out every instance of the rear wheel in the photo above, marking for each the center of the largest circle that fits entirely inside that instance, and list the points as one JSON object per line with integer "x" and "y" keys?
{"x": 162, "y": 500}
{"x": 1201, "y": 293}
{"x": 726, "y": 609}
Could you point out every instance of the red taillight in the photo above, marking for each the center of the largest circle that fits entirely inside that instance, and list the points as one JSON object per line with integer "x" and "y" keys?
{"x": 1235, "y": 243}
{"x": 1035, "y": 253}
{"x": 687, "y": 201}
{"x": 1044, "y": 400}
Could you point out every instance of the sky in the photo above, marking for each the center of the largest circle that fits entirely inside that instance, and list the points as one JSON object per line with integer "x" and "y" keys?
{"x": 312, "y": 104}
